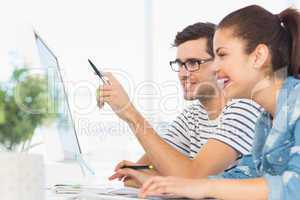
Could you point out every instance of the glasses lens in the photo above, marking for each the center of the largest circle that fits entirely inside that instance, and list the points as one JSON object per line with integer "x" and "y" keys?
{"x": 192, "y": 65}
{"x": 175, "y": 65}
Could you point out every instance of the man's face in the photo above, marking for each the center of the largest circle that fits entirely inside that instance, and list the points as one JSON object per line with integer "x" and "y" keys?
{"x": 201, "y": 83}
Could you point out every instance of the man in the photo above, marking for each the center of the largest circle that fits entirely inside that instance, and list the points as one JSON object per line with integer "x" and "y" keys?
{"x": 207, "y": 137}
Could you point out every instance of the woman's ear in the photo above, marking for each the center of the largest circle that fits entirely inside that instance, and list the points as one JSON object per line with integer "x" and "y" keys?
{"x": 260, "y": 56}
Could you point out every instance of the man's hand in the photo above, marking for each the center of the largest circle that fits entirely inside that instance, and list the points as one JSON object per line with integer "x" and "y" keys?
{"x": 115, "y": 95}
{"x": 130, "y": 177}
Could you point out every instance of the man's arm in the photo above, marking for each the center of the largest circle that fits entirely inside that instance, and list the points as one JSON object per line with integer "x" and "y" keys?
{"x": 144, "y": 160}
{"x": 215, "y": 156}
{"x": 166, "y": 159}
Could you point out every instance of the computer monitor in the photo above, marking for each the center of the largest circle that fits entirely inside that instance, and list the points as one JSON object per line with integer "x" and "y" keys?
{"x": 65, "y": 125}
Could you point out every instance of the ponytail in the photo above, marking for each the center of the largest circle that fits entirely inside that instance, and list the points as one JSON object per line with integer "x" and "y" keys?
{"x": 290, "y": 20}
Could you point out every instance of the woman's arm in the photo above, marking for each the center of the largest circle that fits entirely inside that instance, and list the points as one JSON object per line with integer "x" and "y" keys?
{"x": 238, "y": 189}
{"x": 201, "y": 188}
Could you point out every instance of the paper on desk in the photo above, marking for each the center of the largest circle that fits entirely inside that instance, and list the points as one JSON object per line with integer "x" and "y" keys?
{"x": 76, "y": 189}
{"x": 127, "y": 192}
{"x": 91, "y": 196}
{"x": 133, "y": 193}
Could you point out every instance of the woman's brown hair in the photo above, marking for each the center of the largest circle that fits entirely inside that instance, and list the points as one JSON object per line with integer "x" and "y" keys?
{"x": 281, "y": 33}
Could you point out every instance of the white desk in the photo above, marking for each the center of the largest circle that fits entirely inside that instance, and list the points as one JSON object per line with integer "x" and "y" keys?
{"x": 70, "y": 172}
{"x": 59, "y": 173}
{"x": 99, "y": 197}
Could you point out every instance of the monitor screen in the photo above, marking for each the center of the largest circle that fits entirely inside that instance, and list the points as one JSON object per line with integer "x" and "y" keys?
{"x": 64, "y": 124}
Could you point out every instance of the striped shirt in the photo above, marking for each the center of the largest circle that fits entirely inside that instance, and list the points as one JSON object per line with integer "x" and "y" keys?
{"x": 234, "y": 127}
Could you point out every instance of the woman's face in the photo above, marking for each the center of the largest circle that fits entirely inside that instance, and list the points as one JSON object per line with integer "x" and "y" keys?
{"x": 235, "y": 69}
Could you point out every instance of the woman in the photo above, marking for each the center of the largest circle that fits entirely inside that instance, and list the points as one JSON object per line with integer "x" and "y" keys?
{"x": 256, "y": 56}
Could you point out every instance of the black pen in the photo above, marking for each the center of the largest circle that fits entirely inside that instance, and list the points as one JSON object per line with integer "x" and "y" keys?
{"x": 101, "y": 76}
{"x": 138, "y": 167}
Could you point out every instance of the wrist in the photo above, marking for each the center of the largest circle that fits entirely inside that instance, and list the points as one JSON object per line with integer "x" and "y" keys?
{"x": 209, "y": 188}
{"x": 136, "y": 121}
{"x": 132, "y": 115}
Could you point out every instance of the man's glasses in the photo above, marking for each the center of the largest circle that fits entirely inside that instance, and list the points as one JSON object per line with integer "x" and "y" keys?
{"x": 190, "y": 65}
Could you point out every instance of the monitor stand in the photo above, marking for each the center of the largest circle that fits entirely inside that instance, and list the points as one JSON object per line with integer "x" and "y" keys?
{"x": 85, "y": 168}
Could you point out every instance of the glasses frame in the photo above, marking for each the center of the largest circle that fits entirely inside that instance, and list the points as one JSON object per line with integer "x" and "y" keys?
{"x": 199, "y": 61}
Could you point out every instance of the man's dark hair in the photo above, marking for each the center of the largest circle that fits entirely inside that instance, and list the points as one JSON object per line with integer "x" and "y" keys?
{"x": 197, "y": 31}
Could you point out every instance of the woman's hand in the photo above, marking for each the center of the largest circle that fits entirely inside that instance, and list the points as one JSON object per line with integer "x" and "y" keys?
{"x": 115, "y": 95}
{"x": 191, "y": 188}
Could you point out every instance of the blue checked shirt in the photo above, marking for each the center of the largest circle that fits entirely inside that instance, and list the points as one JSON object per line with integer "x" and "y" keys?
{"x": 276, "y": 147}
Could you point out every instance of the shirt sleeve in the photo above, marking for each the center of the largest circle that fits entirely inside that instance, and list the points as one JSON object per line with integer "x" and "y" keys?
{"x": 177, "y": 133}
{"x": 237, "y": 125}
{"x": 287, "y": 185}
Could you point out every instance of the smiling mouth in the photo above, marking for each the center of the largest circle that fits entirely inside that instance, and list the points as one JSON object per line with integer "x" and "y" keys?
{"x": 224, "y": 82}
{"x": 187, "y": 85}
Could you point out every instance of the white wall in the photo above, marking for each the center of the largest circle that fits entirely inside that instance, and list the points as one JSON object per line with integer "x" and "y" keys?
{"x": 112, "y": 33}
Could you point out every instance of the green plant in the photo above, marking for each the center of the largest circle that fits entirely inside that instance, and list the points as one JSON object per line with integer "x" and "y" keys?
{"x": 24, "y": 103}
